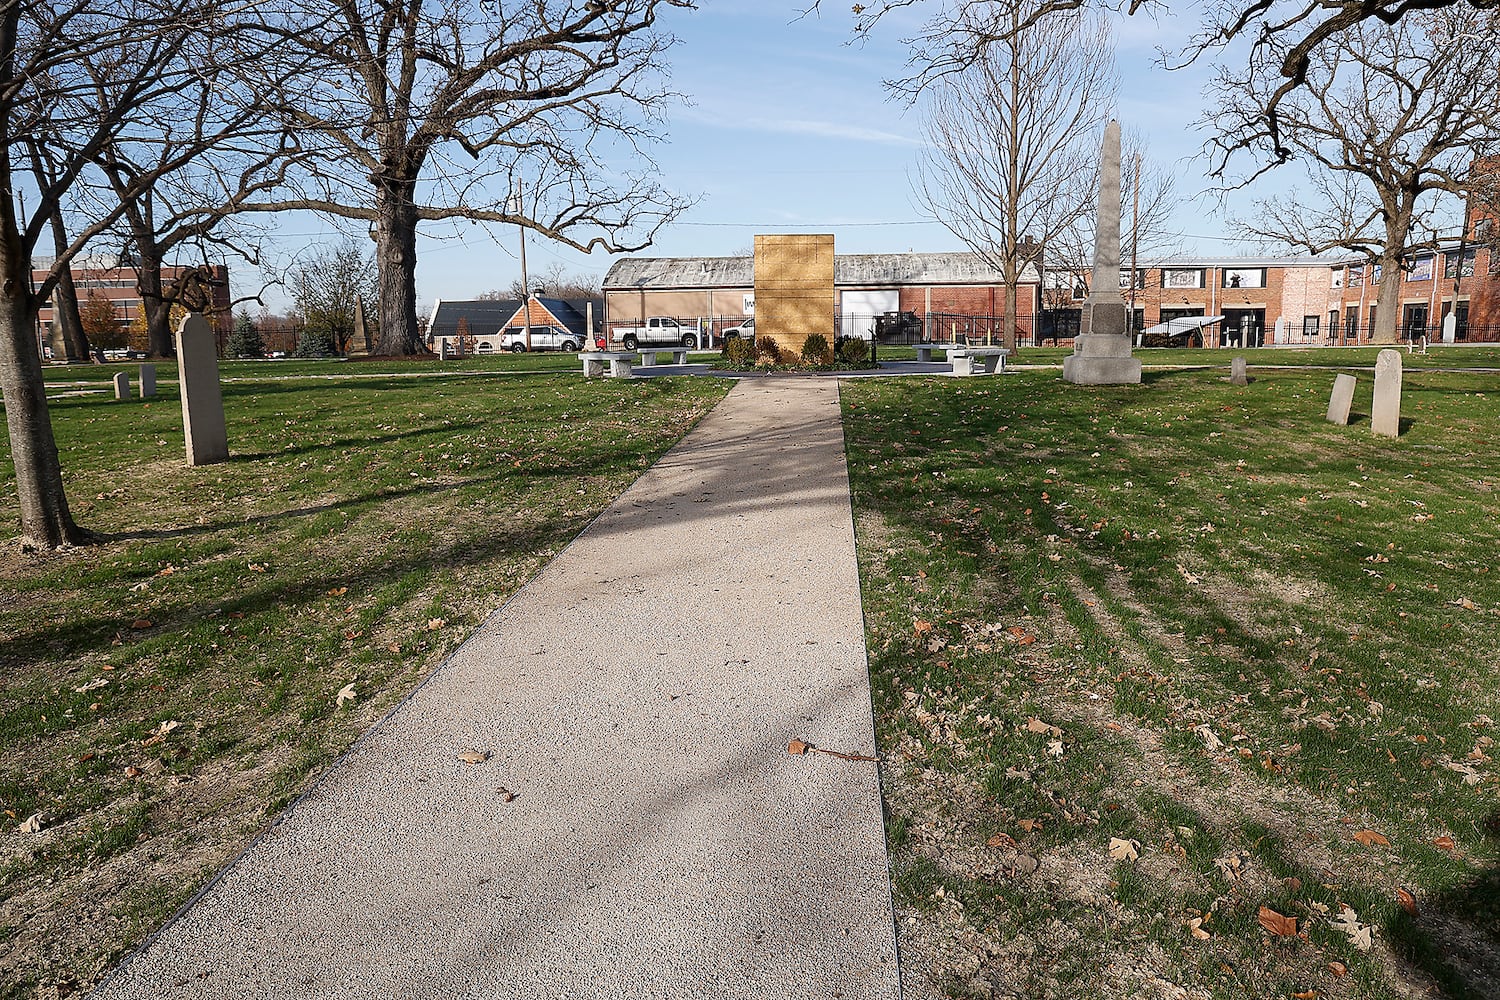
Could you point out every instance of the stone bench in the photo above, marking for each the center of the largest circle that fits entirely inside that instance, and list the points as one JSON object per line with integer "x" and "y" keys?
{"x": 679, "y": 355}
{"x": 978, "y": 360}
{"x": 924, "y": 351}
{"x": 619, "y": 363}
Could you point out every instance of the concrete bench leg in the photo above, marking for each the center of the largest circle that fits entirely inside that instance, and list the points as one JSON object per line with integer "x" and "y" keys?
{"x": 990, "y": 363}
{"x": 592, "y": 368}
{"x": 924, "y": 354}
{"x": 620, "y": 368}
{"x": 962, "y": 364}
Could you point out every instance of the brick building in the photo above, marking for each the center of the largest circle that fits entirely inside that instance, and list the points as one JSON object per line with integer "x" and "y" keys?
{"x": 952, "y": 293}
{"x": 103, "y": 277}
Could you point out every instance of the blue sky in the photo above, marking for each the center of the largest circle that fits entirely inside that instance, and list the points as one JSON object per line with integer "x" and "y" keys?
{"x": 789, "y": 129}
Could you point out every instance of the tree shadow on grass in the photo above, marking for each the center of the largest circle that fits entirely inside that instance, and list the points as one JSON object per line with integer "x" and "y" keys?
{"x": 355, "y": 442}
{"x": 1454, "y": 936}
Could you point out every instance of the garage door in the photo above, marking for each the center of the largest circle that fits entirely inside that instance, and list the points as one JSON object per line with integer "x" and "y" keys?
{"x": 857, "y": 310}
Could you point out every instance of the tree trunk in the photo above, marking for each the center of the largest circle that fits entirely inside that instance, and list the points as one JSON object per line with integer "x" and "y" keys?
{"x": 46, "y": 522}
{"x": 1388, "y": 302}
{"x": 67, "y": 325}
{"x": 396, "y": 260}
{"x": 159, "y": 342}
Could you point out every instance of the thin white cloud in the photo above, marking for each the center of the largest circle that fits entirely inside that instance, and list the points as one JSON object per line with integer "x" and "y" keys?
{"x": 833, "y": 130}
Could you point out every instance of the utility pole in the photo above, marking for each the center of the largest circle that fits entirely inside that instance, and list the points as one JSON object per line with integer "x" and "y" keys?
{"x": 1135, "y": 239}
{"x": 515, "y": 209}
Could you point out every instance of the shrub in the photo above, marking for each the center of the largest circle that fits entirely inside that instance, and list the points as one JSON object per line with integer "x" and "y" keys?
{"x": 739, "y": 352}
{"x": 245, "y": 341}
{"x": 854, "y": 351}
{"x": 815, "y": 351}
{"x": 314, "y": 344}
{"x": 767, "y": 354}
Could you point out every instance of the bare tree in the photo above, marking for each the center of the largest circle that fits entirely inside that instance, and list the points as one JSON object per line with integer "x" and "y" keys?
{"x": 1011, "y": 143}
{"x": 555, "y": 282}
{"x": 51, "y": 58}
{"x": 326, "y": 285}
{"x": 452, "y": 109}
{"x": 1282, "y": 35}
{"x": 1387, "y": 122}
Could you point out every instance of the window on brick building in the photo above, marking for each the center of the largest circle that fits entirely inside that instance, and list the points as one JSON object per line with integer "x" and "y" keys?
{"x": 1310, "y": 326}
{"x": 1452, "y": 267}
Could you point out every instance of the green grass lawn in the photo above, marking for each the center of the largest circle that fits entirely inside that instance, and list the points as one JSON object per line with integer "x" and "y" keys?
{"x": 1158, "y": 667}
{"x": 164, "y": 693}
{"x": 1440, "y": 356}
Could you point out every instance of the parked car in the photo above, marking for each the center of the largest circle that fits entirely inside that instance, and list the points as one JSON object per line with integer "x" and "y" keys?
{"x": 543, "y": 338}
{"x": 660, "y": 330}
{"x": 745, "y": 330}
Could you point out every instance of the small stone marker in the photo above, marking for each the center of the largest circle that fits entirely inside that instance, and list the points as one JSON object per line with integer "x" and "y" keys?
{"x": 122, "y": 385}
{"x": 1385, "y": 414}
{"x": 202, "y": 399}
{"x": 148, "y": 381}
{"x": 1237, "y": 372}
{"x": 443, "y": 349}
{"x": 1341, "y": 400}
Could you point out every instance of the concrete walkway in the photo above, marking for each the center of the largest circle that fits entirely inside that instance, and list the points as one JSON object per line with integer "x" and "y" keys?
{"x": 637, "y": 697}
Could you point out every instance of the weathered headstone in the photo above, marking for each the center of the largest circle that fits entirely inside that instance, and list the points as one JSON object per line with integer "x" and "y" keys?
{"x": 1237, "y": 374}
{"x": 202, "y": 399}
{"x": 1385, "y": 412}
{"x": 444, "y": 351}
{"x": 1450, "y": 328}
{"x": 1341, "y": 399}
{"x": 122, "y": 385}
{"x": 98, "y": 356}
{"x": 1101, "y": 351}
{"x": 148, "y": 381}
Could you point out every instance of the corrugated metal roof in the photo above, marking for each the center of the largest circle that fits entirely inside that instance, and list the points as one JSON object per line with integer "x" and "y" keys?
{"x": 856, "y": 270}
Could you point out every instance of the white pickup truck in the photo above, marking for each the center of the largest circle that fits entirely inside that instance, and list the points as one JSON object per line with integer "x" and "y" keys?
{"x": 663, "y": 330}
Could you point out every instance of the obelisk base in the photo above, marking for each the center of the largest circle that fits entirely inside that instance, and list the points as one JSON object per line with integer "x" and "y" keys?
{"x": 1083, "y": 369}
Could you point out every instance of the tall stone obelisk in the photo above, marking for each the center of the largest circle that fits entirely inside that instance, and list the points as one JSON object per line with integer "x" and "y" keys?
{"x": 1101, "y": 352}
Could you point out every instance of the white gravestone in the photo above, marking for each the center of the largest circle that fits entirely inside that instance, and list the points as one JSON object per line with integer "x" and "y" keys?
{"x": 1385, "y": 413}
{"x": 1237, "y": 374}
{"x": 202, "y": 399}
{"x": 122, "y": 385}
{"x": 1341, "y": 399}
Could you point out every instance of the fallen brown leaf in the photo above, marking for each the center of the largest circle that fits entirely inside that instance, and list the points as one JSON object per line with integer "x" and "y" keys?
{"x": 1308, "y": 995}
{"x": 921, "y": 627}
{"x": 1028, "y": 824}
{"x": 1278, "y": 923}
{"x": 796, "y": 746}
{"x": 1370, "y": 838}
{"x": 1123, "y": 850}
{"x": 1407, "y": 900}
{"x": 1338, "y": 969}
{"x": 473, "y": 756}
{"x": 1195, "y": 927}
{"x": 141, "y": 623}
{"x": 1039, "y": 727}
{"x": 1445, "y": 842}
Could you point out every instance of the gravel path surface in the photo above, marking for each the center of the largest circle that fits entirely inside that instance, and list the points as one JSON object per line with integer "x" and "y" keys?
{"x": 637, "y": 698}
